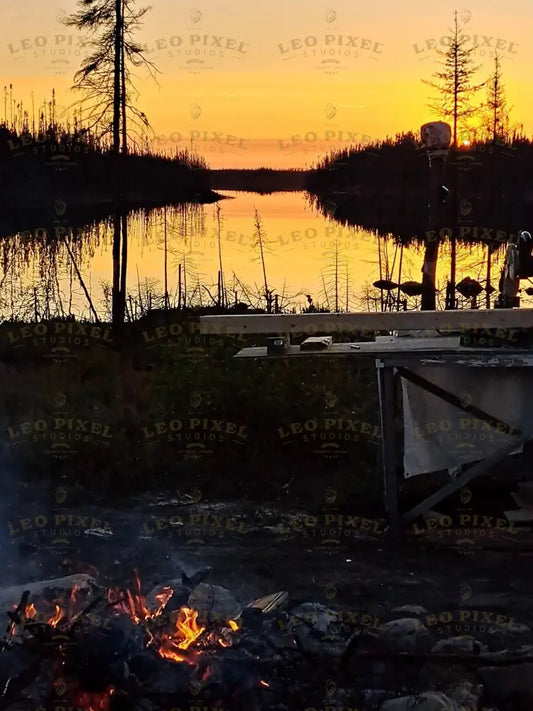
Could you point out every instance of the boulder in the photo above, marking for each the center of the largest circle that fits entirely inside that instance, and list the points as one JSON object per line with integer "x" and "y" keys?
{"x": 214, "y": 603}
{"x": 406, "y": 635}
{"x": 411, "y": 610}
{"x": 464, "y": 644}
{"x": 426, "y": 701}
{"x": 314, "y": 616}
{"x": 509, "y": 684}
{"x": 508, "y": 636}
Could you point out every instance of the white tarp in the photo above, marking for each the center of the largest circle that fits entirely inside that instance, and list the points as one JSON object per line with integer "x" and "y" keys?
{"x": 438, "y": 435}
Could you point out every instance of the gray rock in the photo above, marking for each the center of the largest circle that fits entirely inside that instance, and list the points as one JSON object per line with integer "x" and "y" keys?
{"x": 507, "y": 636}
{"x": 411, "y": 610}
{"x": 214, "y": 603}
{"x": 509, "y": 684}
{"x": 465, "y": 691}
{"x": 426, "y": 701}
{"x": 464, "y": 644}
{"x": 406, "y": 635}
{"x": 314, "y": 615}
{"x": 525, "y": 650}
{"x": 151, "y": 600}
{"x": 317, "y": 630}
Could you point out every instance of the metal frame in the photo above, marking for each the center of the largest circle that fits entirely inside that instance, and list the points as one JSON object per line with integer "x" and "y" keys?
{"x": 388, "y": 372}
{"x": 392, "y": 360}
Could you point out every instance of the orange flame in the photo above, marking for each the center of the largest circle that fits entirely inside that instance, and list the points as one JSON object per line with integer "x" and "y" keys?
{"x": 186, "y": 631}
{"x": 57, "y": 617}
{"x": 170, "y": 640}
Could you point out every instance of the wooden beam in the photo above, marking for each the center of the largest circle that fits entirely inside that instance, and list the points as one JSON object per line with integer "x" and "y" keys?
{"x": 369, "y": 322}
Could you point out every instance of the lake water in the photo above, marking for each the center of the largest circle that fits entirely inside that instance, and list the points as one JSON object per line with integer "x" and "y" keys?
{"x": 304, "y": 254}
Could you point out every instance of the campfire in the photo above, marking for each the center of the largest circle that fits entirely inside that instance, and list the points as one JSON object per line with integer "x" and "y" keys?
{"x": 93, "y": 643}
{"x": 71, "y": 645}
{"x": 171, "y": 634}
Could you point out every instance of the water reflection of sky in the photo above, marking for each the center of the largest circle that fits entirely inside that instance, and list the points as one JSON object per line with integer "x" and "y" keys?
{"x": 303, "y": 251}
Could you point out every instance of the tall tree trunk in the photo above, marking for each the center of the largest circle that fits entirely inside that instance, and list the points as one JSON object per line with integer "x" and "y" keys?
{"x": 429, "y": 273}
{"x": 487, "y": 293}
{"x": 455, "y": 82}
{"x": 123, "y": 102}
{"x": 124, "y": 265}
{"x": 117, "y": 78}
{"x": 116, "y": 267}
{"x": 118, "y": 304}
{"x": 122, "y": 162}
{"x": 450, "y": 292}
{"x": 429, "y": 268}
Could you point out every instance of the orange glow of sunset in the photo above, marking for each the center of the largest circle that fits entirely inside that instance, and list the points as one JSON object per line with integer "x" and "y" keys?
{"x": 277, "y": 84}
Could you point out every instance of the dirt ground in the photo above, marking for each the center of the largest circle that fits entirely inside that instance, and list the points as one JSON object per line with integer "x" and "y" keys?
{"x": 254, "y": 551}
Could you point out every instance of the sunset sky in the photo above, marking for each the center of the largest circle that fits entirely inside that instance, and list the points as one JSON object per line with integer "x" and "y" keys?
{"x": 277, "y": 83}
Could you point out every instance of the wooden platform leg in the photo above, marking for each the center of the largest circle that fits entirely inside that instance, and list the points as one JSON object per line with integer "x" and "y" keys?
{"x": 389, "y": 454}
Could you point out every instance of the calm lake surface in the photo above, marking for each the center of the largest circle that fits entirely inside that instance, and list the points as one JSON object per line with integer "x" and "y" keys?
{"x": 304, "y": 254}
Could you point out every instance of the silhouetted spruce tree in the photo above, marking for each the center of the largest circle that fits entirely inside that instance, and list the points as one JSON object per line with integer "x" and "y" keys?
{"x": 455, "y": 81}
{"x": 104, "y": 80}
{"x": 497, "y": 119}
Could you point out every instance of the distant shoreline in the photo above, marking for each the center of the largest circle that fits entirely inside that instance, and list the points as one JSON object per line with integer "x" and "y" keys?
{"x": 260, "y": 180}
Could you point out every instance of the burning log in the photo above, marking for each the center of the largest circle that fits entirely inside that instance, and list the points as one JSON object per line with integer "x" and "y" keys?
{"x": 11, "y": 596}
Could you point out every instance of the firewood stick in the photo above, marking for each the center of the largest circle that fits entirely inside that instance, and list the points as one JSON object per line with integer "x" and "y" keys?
{"x": 15, "y": 619}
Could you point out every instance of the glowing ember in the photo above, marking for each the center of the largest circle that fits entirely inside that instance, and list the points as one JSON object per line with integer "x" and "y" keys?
{"x": 162, "y": 598}
{"x": 93, "y": 701}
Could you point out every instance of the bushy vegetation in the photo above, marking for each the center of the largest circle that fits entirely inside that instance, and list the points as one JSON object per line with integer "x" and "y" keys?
{"x": 39, "y": 165}
{"x": 166, "y": 373}
{"x": 384, "y": 186}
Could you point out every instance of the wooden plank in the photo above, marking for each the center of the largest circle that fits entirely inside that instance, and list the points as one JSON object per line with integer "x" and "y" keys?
{"x": 419, "y": 345}
{"x": 488, "y": 359}
{"x": 400, "y": 355}
{"x": 519, "y": 516}
{"x": 367, "y": 322}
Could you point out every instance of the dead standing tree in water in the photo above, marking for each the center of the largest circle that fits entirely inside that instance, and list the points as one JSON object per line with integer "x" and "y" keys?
{"x": 455, "y": 87}
{"x": 261, "y": 245}
{"x": 104, "y": 79}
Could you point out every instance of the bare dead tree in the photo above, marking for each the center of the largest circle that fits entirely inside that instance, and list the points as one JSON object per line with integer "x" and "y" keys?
{"x": 108, "y": 93}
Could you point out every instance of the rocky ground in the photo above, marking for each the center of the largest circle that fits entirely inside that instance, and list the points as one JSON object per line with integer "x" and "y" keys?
{"x": 346, "y": 580}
